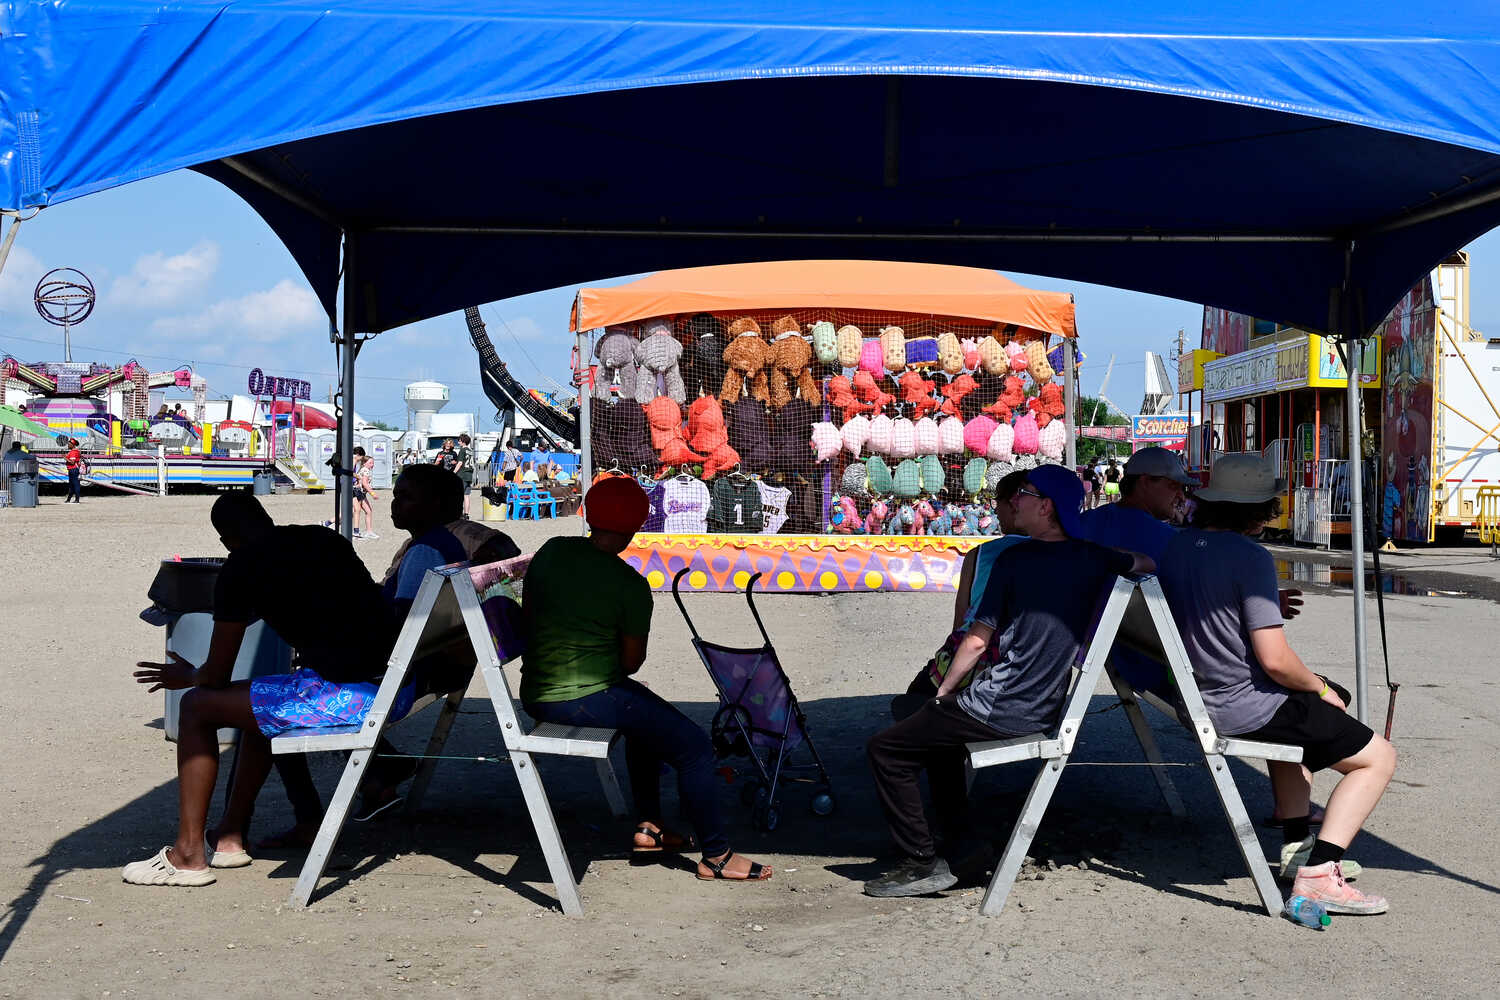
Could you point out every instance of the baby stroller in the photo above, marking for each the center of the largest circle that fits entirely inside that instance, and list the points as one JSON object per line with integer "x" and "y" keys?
{"x": 758, "y": 717}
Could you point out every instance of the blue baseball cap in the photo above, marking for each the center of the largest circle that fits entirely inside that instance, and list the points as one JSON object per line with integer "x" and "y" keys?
{"x": 1065, "y": 490}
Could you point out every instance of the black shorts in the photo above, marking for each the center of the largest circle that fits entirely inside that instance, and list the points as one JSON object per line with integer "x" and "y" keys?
{"x": 1325, "y": 734}
{"x": 359, "y": 494}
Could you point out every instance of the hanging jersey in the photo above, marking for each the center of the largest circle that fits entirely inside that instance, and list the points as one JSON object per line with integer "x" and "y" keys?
{"x": 773, "y": 502}
{"x": 685, "y": 504}
{"x": 736, "y": 507}
{"x": 656, "y": 513}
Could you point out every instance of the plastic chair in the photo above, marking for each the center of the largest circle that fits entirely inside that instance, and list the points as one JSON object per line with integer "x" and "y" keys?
{"x": 521, "y": 501}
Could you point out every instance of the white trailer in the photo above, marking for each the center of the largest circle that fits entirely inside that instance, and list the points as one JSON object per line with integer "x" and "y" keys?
{"x": 1466, "y": 411}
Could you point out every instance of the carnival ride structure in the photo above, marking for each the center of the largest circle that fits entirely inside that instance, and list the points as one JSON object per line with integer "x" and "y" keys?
{"x": 553, "y": 421}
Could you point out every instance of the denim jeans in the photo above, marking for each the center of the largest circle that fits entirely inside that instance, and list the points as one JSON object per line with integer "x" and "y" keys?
{"x": 655, "y": 733}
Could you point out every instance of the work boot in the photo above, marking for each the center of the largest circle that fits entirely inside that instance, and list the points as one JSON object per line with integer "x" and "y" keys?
{"x": 913, "y": 878}
{"x": 1325, "y": 884}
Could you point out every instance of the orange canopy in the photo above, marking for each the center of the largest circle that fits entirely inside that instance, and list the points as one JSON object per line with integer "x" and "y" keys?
{"x": 970, "y": 293}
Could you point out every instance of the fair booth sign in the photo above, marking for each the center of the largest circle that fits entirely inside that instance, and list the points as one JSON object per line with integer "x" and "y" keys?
{"x": 1156, "y": 428}
{"x": 1299, "y": 363}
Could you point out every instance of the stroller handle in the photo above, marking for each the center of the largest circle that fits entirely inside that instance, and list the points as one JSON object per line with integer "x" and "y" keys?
{"x": 749, "y": 599}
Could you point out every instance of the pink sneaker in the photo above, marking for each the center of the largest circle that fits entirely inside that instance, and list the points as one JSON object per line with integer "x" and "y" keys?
{"x": 1326, "y": 884}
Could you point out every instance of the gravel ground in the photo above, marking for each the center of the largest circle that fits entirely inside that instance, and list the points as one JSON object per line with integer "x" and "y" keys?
{"x": 458, "y": 900}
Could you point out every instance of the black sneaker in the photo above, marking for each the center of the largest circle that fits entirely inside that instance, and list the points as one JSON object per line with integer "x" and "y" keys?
{"x": 913, "y": 878}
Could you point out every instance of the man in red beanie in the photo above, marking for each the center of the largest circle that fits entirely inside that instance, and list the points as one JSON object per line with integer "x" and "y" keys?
{"x": 589, "y": 614}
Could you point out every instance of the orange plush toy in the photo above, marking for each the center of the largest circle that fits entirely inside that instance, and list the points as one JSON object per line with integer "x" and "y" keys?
{"x": 955, "y": 391}
{"x": 664, "y": 414}
{"x": 1048, "y": 404}
{"x": 707, "y": 434}
{"x": 916, "y": 392}
{"x": 867, "y": 390}
{"x": 841, "y": 394}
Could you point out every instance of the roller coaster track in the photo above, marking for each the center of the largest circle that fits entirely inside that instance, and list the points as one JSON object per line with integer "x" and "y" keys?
{"x": 507, "y": 394}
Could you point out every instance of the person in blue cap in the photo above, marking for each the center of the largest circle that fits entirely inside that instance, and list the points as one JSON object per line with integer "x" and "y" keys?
{"x": 1031, "y": 621}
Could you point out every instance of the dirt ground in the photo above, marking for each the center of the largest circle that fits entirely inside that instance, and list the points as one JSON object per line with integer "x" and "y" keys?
{"x": 458, "y": 902}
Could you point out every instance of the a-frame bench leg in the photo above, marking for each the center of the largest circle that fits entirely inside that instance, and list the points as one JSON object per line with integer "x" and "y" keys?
{"x": 1244, "y": 832}
{"x": 332, "y": 826}
{"x": 547, "y": 833}
{"x": 610, "y": 782}
{"x": 1021, "y": 836}
{"x": 440, "y": 731}
{"x": 1147, "y": 739}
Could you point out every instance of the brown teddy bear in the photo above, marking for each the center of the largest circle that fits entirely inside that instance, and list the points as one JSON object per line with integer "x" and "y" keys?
{"x": 746, "y": 356}
{"x": 791, "y": 363}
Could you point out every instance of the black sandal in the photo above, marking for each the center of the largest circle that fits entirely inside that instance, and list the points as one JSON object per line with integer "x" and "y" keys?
{"x": 658, "y": 842}
{"x": 758, "y": 872}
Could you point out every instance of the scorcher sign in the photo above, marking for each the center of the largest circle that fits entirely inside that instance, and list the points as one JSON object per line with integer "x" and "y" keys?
{"x": 1143, "y": 428}
{"x": 262, "y": 384}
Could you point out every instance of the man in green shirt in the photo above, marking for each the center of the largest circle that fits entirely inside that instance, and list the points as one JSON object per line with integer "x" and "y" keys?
{"x": 588, "y": 616}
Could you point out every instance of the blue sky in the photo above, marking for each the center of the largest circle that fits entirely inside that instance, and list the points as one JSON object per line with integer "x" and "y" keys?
{"x": 187, "y": 273}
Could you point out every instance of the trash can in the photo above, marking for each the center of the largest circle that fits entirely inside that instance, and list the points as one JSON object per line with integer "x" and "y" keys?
{"x": 264, "y": 484}
{"x": 23, "y": 479}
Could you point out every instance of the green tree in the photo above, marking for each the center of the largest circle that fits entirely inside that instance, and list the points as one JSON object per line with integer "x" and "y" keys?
{"x": 1093, "y": 411}
{"x": 381, "y": 425}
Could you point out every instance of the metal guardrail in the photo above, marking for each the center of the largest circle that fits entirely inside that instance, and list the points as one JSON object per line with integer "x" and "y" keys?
{"x": 1487, "y": 517}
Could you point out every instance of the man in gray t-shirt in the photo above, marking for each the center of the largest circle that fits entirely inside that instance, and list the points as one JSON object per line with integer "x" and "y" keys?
{"x": 1216, "y": 615}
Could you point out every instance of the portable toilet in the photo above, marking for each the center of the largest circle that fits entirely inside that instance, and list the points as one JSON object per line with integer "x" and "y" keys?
{"x": 381, "y": 447}
{"x": 322, "y": 445}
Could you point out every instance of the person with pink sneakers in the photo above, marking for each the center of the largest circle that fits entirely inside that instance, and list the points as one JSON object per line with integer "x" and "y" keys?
{"x": 1221, "y": 586}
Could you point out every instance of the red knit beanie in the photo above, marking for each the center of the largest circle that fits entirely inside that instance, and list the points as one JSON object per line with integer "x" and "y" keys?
{"x": 617, "y": 504}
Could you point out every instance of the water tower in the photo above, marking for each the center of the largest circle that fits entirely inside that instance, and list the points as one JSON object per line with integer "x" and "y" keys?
{"x": 423, "y": 399}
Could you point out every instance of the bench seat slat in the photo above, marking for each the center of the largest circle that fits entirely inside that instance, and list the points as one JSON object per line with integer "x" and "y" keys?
{"x": 568, "y": 741}
{"x": 992, "y": 752}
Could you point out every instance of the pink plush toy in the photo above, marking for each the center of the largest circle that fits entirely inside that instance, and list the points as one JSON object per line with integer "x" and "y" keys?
{"x": 1052, "y": 440}
{"x": 875, "y": 520}
{"x": 950, "y": 436}
{"x": 1017, "y": 355}
{"x": 871, "y": 358}
{"x": 825, "y": 440}
{"x": 881, "y": 431}
{"x": 856, "y": 433}
{"x": 1026, "y": 435}
{"x": 926, "y": 432}
{"x": 925, "y": 516}
{"x": 977, "y": 434}
{"x": 971, "y": 353}
{"x": 903, "y": 438}
{"x": 1000, "y": 444}
{"x": 844, "y": 517}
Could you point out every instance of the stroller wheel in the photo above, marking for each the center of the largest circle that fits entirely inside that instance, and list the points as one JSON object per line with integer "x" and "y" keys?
{"x": 767, "y": 817}
{"x": 822, "y": 802}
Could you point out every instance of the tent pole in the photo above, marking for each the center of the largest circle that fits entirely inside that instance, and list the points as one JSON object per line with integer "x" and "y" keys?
{"x": 344, "y": 478}
{"x": 585, "y": 442}
{"x": 1353, "y": 362}
{"x": 1070, "y": 399}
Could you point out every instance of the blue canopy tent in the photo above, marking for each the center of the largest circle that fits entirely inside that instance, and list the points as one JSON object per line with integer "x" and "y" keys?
{"x": 1305, "y": 163}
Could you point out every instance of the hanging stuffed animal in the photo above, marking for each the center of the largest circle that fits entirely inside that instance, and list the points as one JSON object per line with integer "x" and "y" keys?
{"x": 906, "y": 481}
{"x": 791, "y": 365}
{"x": 1052, "y": 440}
{"x": 855, "y": 434}
{"x": 706, "y": 372}
{"x": 866, "y": 388}
{"x": 1001, "y": 444}
{"x": 950, "y": 353}
{"x": 1026, "y": 435}
{"x": 747, "y": 356}
{"x": 999, "y": 409}
{"x": 843, "y": 517}
{"x": 950, "y": 436}
{"x": 977, "y": 434}
{"x": 970, "y": 347}
{"x": 921, "y": 352}
{"x": 871, "y": 359}
{"x": 893, "y": 348}
{"x": 881, "y": 430}
{"x": 825, "y": 342}
{"x": 855, "y": 481}
{"x": 1014, "y": 393}
{"x": 616, "y": 354}
{"x": 974, "y": 476}
{"x": 992, "y": 356}
{"x": 1048, "y": 404}
{"x": 708, "y": 436}
{"x": 876, "y": 518}
{"x": 933, "y": 475}
{"x": 916, "y": 393}
{"x": 941, "y": 523}
{"x": 840, "y": 394}
{"x": 851, "y": 344}
{"x": 882, "y": 483}
{"x": 1037, "y": 363}
{"x": 656, "y": 357}
{"x": 903, "y": 438}
{"x": 826, "y": 441}
{"x": 1025, "y": 463}
{"x": 664, "y": 415}
{"x": 995, "y": 472}
{"x": 1015, "y": 356}
{"x": 955, "y": 391}
{"x": 925, "y": 432}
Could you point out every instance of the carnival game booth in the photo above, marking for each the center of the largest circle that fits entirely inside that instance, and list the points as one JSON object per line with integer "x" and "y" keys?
{"x": 833, "y": 425}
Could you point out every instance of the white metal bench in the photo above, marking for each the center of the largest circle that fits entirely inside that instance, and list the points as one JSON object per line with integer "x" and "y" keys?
{"x": 1136, "y": 614}
{"x": 446, "y": 616}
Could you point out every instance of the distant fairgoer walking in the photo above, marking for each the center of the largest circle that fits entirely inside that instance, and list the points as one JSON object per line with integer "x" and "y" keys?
{"x": 74, "y": 461}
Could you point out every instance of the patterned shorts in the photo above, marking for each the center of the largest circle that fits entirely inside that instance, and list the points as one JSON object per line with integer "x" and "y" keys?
{"x": 304, "y": 700}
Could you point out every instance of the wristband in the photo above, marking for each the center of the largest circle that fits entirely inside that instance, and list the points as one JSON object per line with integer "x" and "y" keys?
{"x": 1324, "y": 693}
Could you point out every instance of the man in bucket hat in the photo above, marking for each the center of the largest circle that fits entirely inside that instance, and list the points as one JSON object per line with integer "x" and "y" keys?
{"x": 589, "y": 614}
{"x": 1221, "y": 586}
{"x": 1020, "y": 647}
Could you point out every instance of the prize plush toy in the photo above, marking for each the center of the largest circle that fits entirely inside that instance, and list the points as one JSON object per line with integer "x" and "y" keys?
{"x": 707, "y": 370}
{"x": 933, "y": 475}
{"x": 747, "y": 356}
{"x": 840, "y": 394}
{"x": 881, "y": 430}
{"x": 1052, "y": 440}
{"x": 922, "y": 352}
{"x": 851, "y": 343}
{"x": 875, "y": 519}
{"x": 992, "y": 356}
{"x": 855, "y": 434}
{"x": 708, "y": 435}
{"x": 870, "y": 358}
{"x": 825, "y": 342}
{"x": 903, "y": 438}
{"x": 994, "y": 473}
{"x": 955, "y": 391}
{"x": 855, "y": 481}
{"x": 1047, "y": 404}
{"x": 926, "y": 433}
{"x": 1014, "y": 393}
{"x": 843, "y": 517}
{"x": 1026, "y": 435}
{"x": 977, "y": 434}
{"x": 999, "y": 410}
{"x": 826, "y": 441}
{"x": 616, "y": 354}
{"x": 906, "y": 481}
{"x": 1001, "y": 443}
{"x": 950, "y": 353}
{"x": 664, "y": 414}
{"x": 882, "y": 483}
{"x": 916, "y": 392}
{"x": 1037, "y": 363}
{"x": 868, "y": 390}
{"x": 791, "y": 364}
{"x": 970, "y": 346}
{"x": 893, "y": 348}
{"x": 1016, "y": 356}
{"x": 950, "y": 436}
{"x": 656, "y": 357}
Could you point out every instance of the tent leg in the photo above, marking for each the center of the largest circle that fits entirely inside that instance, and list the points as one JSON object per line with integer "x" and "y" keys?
{"x": 585, "y": 442}
{"x": 349, "y": 347}
{"x": 1353, "y": 363}
{"x": 1070, "y": 398}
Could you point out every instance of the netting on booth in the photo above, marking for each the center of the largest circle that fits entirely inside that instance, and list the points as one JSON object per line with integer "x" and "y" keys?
{"x": 824, "y": 421}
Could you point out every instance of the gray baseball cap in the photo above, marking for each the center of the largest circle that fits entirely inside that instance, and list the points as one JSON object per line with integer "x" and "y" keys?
{"x": 1155, "y": 461}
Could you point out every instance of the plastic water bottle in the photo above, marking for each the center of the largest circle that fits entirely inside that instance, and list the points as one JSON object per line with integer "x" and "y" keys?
{"x": 1307, "y": 912}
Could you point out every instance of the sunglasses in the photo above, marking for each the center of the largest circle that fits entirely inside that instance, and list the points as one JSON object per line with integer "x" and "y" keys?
{"x": 1031, "y": 493}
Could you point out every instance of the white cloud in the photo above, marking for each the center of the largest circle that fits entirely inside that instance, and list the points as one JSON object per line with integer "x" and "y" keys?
{"x": 18, "y": 280}
{"x": 157, "y": 280}
{"x": 262, "y": 317}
